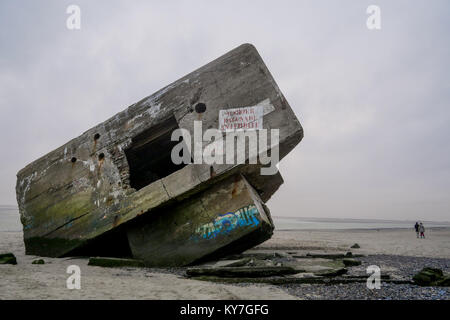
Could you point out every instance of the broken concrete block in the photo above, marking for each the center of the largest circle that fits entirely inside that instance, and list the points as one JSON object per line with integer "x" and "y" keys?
{"x": 115, "y": 262}
{"x": 245, "y": 272}
{"x": 255, "y": 255}
{"x": 331, "y": 273}
{"x": 326, "y": 255}
{"x": 232, "y": 263}
{"x": 87, "y": 196}
{"x": 7, "y": 258}
{"x": 295, "y": 279}
{"x": 228, "y": 217}
{"x": 355, "y": 246}
{"x": 315, "y": 265}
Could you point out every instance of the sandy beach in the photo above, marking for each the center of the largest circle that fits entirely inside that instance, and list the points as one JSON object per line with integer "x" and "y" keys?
{"x": 402, "y": 242}
{"x": 29, "y": 281}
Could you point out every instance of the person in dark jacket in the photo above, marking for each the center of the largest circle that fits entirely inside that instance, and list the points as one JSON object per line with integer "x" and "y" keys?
{"x": 416, "y": 226}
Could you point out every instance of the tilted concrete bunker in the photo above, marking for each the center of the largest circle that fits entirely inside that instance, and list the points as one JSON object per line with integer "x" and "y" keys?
{"x": 114, "y": 191}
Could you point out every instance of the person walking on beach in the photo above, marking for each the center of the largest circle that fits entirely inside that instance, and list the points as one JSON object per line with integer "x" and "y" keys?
{"x": 422, "y": 230}
{"x": 416, "y": 226}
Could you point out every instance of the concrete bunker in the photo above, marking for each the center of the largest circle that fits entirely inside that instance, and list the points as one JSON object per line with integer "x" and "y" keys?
{"x": 114, "y": 191}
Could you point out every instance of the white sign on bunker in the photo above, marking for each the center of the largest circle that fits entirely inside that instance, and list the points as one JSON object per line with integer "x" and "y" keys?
{"x": 248, "y": 118}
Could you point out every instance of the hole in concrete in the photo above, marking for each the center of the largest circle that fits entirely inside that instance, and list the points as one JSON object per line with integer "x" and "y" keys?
{"x": 200, "y": 107}
{"x": 149, "y": 155}
{"x": 96, "y": 136}
{"x": 73, "y": 160}
{"x": 101, "y": 156}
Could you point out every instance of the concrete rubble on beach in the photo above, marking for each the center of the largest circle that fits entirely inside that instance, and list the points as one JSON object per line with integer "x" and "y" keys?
{"x": 115, "y": 192}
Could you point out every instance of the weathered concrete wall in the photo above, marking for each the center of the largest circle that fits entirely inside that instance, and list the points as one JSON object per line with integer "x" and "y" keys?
{"x": 200, "y": 225}
{"x": 82, "y": 189}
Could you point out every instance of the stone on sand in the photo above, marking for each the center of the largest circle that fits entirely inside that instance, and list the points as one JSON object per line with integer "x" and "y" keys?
{"x": 38, "y": 261}
{"x": 7, "y": 258}
{"x": 431, "y": 277}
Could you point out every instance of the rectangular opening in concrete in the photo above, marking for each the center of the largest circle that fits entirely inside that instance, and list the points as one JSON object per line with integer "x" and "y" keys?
{"x": 149, "y": 156}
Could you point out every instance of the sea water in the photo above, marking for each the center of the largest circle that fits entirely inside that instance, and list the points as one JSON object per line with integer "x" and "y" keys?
{"x": 10, "y": 222}
{"x": 9, "y": 218}
{"x": 294, "y": 223}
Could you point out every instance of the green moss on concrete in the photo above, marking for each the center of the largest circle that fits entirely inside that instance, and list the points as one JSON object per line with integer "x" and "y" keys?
{"x": 49, "y": 213}
{"x": 7, "y": 258}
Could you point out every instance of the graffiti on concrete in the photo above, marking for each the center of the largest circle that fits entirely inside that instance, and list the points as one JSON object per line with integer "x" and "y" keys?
{"x": 227, "y": 222}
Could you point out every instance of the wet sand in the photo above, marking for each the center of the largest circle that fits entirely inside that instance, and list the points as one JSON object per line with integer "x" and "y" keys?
{"x": 401, "y": 242}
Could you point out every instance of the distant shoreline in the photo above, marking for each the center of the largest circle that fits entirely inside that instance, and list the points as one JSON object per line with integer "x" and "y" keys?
{"x": 323, "y": 230}
{"x": 361, "y": 229}
{"x": 10, "y": 222}
{"x": 356, "y": 220}
{"x": 311, "y": 219}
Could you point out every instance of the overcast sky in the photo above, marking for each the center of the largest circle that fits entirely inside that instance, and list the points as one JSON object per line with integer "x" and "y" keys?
{"x": 374, "y": 104}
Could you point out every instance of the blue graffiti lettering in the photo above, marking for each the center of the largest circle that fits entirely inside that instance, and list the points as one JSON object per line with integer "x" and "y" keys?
{"x": 225, "y": 223}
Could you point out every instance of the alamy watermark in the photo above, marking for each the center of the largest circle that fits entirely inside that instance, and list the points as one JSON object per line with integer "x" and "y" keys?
{"x": 374, "y": 20}
{"x": 374, "y": 280}
{"x": 73, "y": 22}
{"x": 74, "y": 280}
